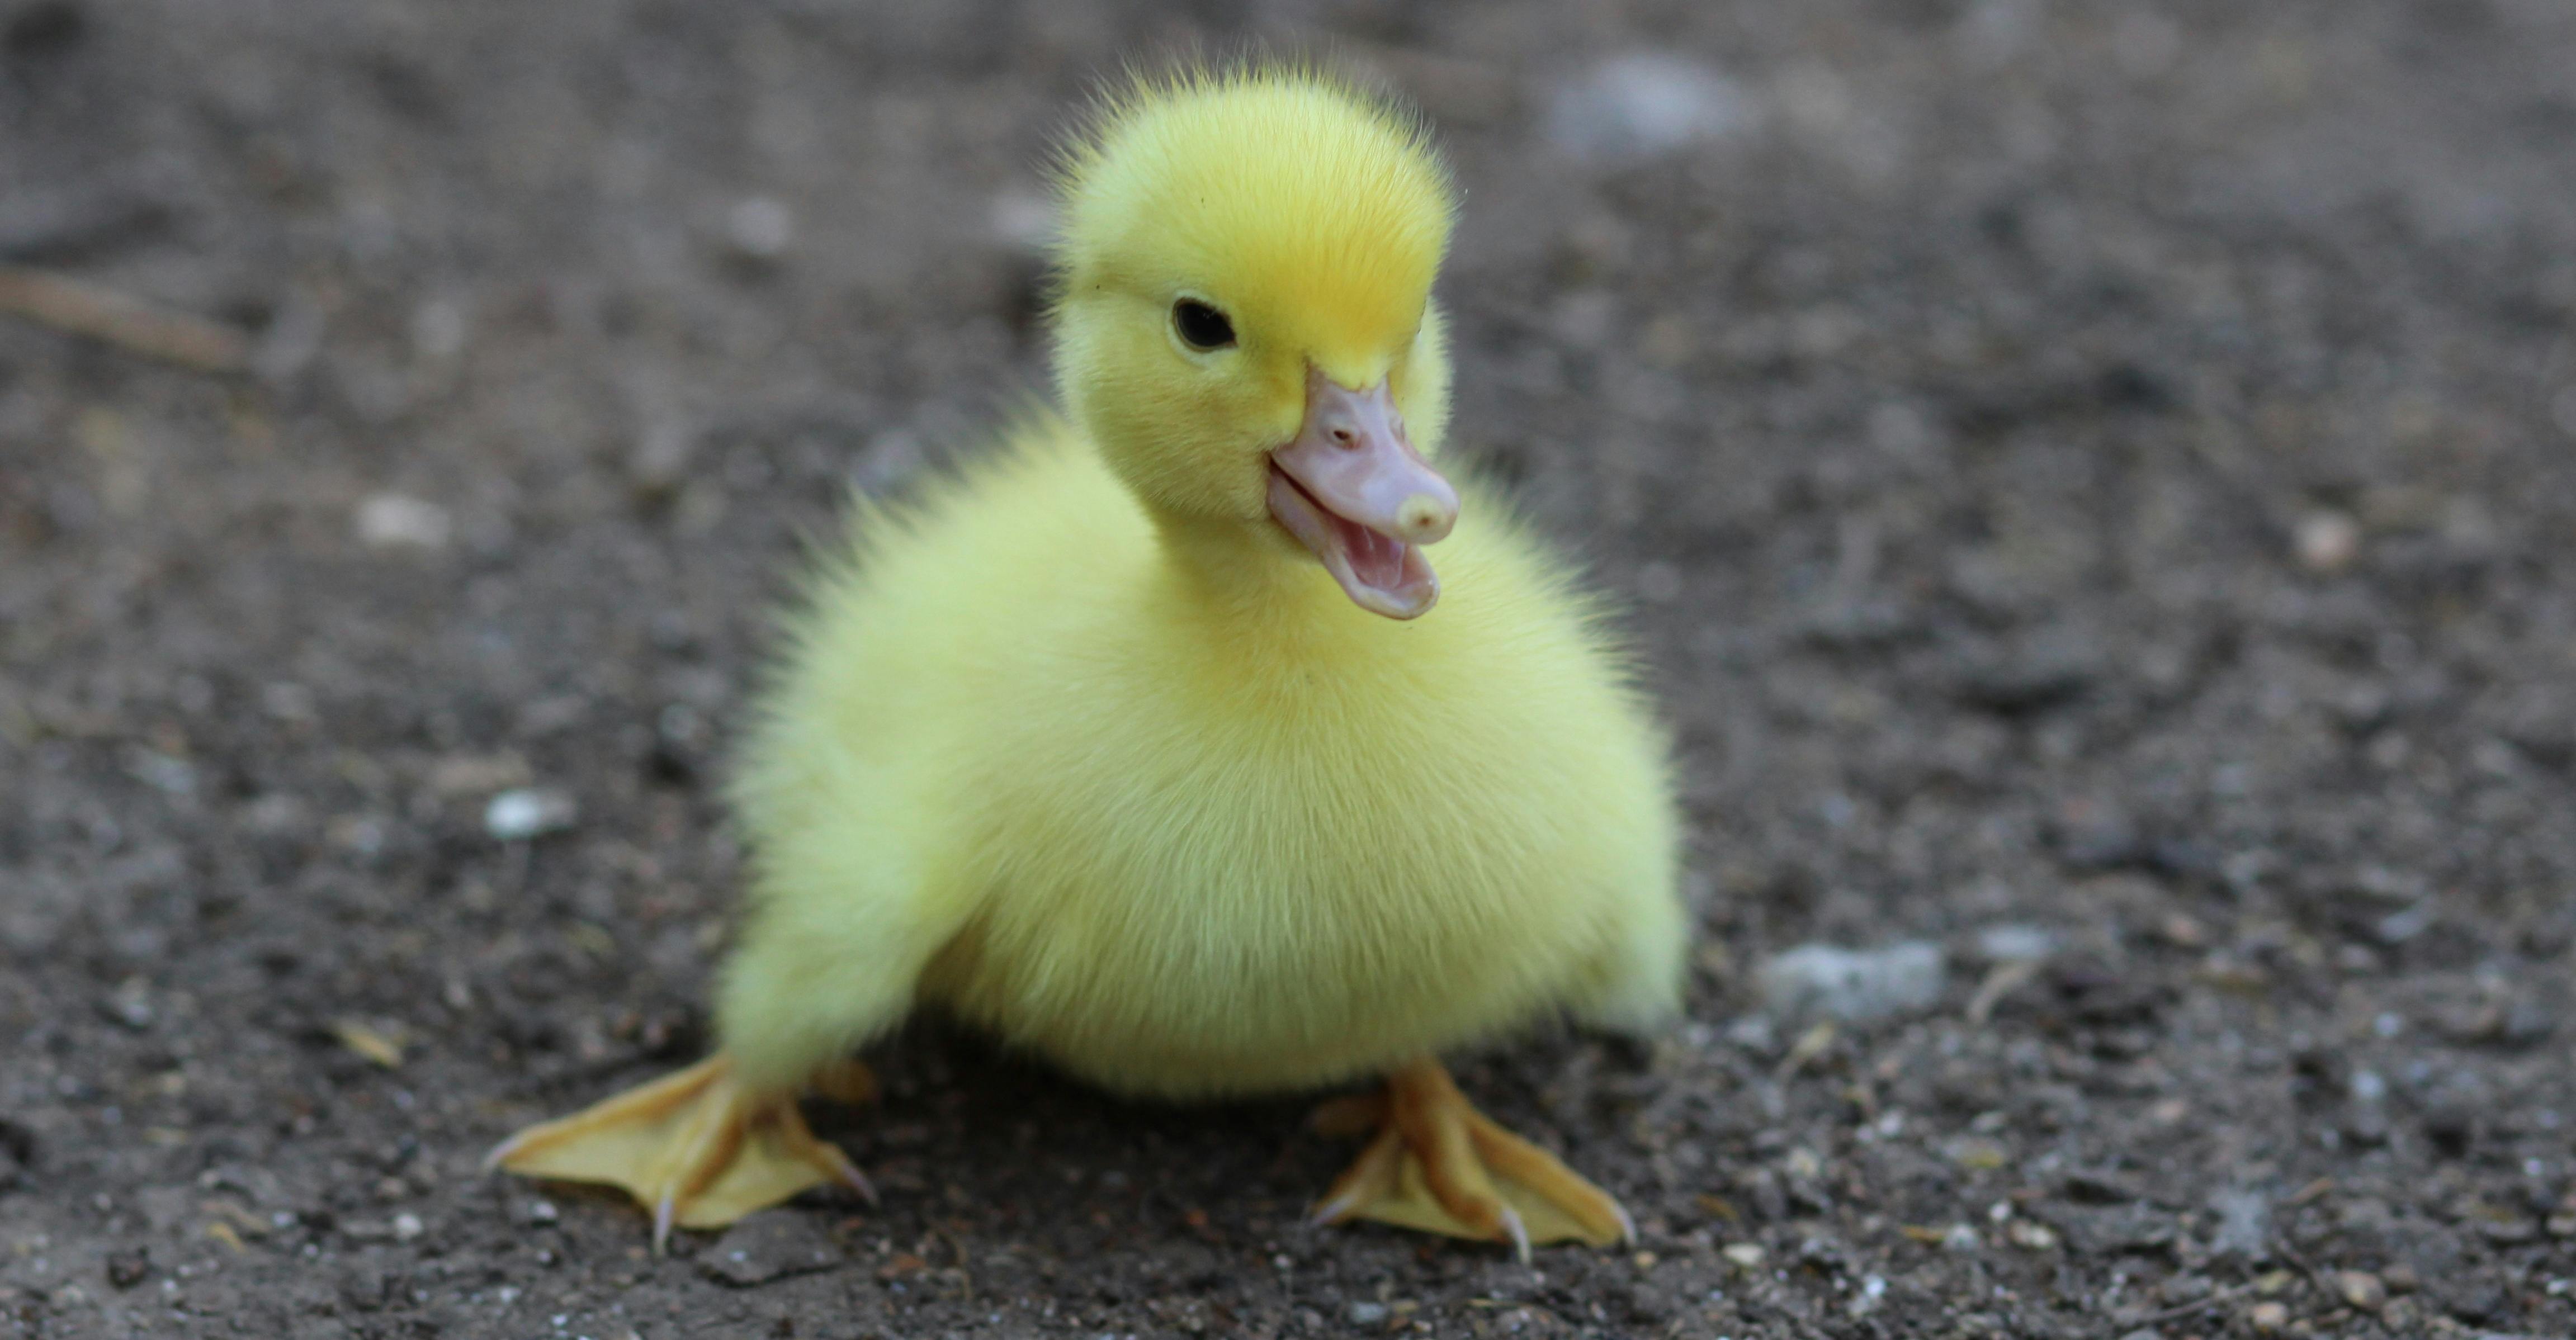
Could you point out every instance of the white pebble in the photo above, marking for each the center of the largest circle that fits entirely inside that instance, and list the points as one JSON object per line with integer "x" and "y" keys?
{"x": 1855, "y": 986}
{"x": 1641, "y": 105}
{"x": 2327, "y": 542}
{"x": 529, "y": 812}
{"x": 760, "y": 228}
{"x": 2015, "y": 942}
{"x": 393, "y": 521}
{"x": 2031, "y": 1235}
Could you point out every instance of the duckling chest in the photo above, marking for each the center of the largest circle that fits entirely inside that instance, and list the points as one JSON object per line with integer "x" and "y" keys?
{"x": 1205, "y": 909}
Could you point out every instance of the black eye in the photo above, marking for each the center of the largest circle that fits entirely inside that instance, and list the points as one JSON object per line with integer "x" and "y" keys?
{"x": 1201, "y": 327}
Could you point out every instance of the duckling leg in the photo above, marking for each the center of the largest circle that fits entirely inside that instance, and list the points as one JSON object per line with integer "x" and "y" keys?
{"x": 696, "y": 1147}
{"x": 1438, "y": 1164}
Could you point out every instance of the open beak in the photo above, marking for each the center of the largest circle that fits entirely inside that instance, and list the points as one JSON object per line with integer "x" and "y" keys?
{"x": 1352, "y": 488}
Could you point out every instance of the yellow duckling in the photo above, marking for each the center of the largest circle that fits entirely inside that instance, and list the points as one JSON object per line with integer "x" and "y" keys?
{"x": 1135, "y": 745}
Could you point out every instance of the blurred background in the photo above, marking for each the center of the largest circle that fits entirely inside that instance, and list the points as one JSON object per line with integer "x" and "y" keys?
{"x": 2091, "y": 482}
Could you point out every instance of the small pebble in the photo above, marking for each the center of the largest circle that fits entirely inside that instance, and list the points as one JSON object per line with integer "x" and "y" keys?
{"x": 2327, "y": 542}
{"x": 2244, "y": 1224}
{"x": 176, "y": 776}
{"x": 2095, "y": 1187}
{"x": 131, "y": 1005}
{"x": 407, "y": 1227}
{"x": 760, "y": 228}
{"x": 765, "y": 1249}
{"x": 1642, "y": 105}
{"x": 529, "y": 812}
{"x": 393, "y": 521}
{"x": 128, "y": 1268}
{"x": 1855, "y": 986}
{"x": 1746, "y": 1254}
{"x": 2267, "y": 1317}
{"x": 2031, "y": 1235}
{"x": 2015, "y": 943}
{"x": 1366, "y": 1314}
{"x": 2361, "y": 1289}
{"x": 2184, "y": 931}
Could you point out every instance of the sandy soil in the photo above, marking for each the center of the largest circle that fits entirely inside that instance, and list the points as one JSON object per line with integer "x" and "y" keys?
{"x": 2094, "y": 481}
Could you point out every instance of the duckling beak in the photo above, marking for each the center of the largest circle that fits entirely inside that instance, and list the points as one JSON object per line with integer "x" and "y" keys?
{"x": 1352, "y": 488}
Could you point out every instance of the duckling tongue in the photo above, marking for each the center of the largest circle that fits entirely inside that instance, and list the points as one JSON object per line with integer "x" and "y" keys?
{"x": 1352, "y": 488}
{"x": 1379, "y": 572}
{"x": 1377, "y": 561}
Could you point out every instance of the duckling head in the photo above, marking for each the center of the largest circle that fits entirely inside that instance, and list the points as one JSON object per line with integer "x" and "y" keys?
{"x": 1245, "y": 325}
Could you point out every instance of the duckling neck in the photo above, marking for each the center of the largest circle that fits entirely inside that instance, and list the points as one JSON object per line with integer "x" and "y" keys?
{"x": 1236, "y": 580}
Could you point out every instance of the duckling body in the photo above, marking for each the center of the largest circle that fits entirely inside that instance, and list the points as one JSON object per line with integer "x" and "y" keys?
{"x": 1166, "y": 833}
{"x": 1142, "y": 743}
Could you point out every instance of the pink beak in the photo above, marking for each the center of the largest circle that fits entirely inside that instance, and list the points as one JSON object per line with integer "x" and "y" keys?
{"x": 1352, "y": 488}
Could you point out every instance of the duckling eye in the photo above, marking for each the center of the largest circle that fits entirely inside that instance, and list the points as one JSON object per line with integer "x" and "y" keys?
{"x": 1200, "y": 326}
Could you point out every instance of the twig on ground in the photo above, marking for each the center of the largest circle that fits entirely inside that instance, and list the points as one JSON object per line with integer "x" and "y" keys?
{"x": 81, "y": 308}
{"x": 2005, "y": 979}
{"x": 2181, "y": 1310}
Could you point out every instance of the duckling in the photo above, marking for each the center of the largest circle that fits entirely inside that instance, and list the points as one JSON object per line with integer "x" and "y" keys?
{"x": 1154, "y": 744}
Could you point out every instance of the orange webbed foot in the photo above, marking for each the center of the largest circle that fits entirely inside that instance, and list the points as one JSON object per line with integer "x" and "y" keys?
{"x": 1437, "y": 1164}
{"x": 696, "y": 1148}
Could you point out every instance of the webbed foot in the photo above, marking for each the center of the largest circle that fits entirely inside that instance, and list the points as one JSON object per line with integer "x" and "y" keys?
{"x": 1438, "y": 1164}
{"x": 695, "y": 1148}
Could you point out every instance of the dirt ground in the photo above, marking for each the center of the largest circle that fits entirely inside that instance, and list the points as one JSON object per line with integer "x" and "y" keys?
{"x": 2094, "y": 482}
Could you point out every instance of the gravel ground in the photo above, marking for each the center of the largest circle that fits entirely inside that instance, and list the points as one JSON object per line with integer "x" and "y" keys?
{"x": 2093, "y": 481}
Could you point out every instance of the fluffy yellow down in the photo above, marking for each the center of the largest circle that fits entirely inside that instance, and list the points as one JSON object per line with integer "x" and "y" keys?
{"x": 1075, "y": 747}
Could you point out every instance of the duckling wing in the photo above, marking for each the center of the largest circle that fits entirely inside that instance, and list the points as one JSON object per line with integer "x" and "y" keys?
{"x": 902, "y": 693}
